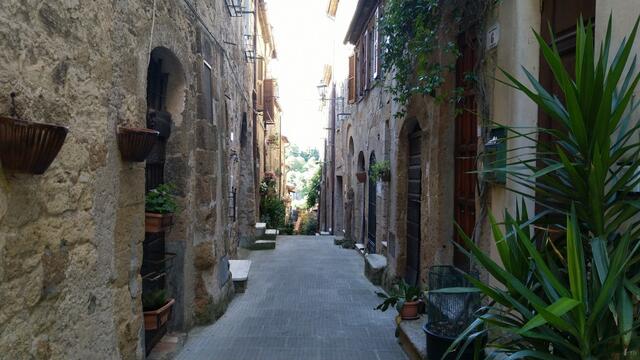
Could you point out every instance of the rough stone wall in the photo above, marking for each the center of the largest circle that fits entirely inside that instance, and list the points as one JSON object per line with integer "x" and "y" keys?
{"x": 366, "y": 126}
{"x": 374, "y": 129}
{"x": 71, "y": 239}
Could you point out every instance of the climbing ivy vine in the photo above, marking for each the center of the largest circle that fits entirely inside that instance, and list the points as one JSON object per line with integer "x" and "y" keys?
{"x": 418, "y": 43}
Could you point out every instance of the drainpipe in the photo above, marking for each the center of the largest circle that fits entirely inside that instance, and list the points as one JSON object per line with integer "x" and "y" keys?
{"x": 332, "y": 181}
{"x": 256, "y": 176}
{"x": 280, "y": 154}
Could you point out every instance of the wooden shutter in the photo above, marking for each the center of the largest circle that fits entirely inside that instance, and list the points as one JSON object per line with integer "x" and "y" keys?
{"x": 352, "y": 79}
{"x": 367, "y": 61}
{"x": 259, "y": 95}
{"x": 376, "y": 45}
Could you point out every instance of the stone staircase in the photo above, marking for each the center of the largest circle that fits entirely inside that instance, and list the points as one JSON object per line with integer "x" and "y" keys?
{"x": 266, "y": 238}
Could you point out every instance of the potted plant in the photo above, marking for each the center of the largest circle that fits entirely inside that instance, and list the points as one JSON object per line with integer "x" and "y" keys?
{"x": 381, "y": 171}
{"x": 28, "y": 147}
{"x": 135, "y": 144}
{"x": 160, "y": 206}
{"x": 404, "y": 298}
{"x": 361, "y": 176}
{"x": 156, "y": 307}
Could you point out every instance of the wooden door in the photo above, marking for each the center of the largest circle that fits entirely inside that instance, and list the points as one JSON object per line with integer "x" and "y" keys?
{"x": 414, "y": 193}
{"x": 371, "y": 228}
{"x": 465, "y": 151}
{"x": 562, "y": 16}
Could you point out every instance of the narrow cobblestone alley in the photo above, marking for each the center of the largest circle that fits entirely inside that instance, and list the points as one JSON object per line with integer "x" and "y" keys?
{"x": 308, "y": 299}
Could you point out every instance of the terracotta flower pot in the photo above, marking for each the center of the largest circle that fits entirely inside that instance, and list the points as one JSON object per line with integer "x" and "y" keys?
{"x": 29, "y": 147}
{"x": 154, "y": 319}
{"x": 361, "y": 176}
{"x": 156, "y": 223}
{"x": 136, "y": 144}
{"x": 409, "y": 310}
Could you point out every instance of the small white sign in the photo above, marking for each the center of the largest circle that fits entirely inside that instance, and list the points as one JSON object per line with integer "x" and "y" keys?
{"x": 493, "y": 37}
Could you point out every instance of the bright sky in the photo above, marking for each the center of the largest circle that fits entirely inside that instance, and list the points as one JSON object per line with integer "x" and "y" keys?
{"x": 303, "y": 36}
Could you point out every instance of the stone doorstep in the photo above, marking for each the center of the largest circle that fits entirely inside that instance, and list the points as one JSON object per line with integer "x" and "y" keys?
{"x": 412, "y": 339}
{"x": 239, "y": 269}
{"x": 270, "y": 234}
{"x": 263, "y": 245}
{"x": 374, "y": 265}
{"x": 360, "y": 248}
{"x": 168, "y": 347}
{"x": 324, "y": 233}
{"x": 260, "y": 229}
{"x": 376, "y": 261}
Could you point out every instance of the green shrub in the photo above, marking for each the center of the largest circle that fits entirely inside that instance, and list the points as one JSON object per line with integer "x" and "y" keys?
{"x": 309, "y": 224}
{"x": 272, "y": 211}
{"x": 286, "y": 229}
{"x": 573, "y": 295}
{"x": 313, "y": 189}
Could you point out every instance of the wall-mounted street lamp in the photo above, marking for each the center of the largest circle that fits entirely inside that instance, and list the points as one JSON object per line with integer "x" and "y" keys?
{"x": 322, "y": 91}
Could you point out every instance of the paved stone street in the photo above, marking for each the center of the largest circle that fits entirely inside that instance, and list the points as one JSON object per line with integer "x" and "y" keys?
{"x": 308, "y": 299}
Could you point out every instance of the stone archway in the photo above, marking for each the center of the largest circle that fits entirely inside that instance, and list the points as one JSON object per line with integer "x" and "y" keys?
{"x": 165, "y": 106}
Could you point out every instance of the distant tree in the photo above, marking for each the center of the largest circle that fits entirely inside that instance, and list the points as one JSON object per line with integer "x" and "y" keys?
{"x": 314, "y": 154}
{"x": 313, "y": 188}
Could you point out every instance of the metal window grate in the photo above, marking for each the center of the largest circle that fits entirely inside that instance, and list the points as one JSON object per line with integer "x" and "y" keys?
{"x": 232, "y": 204}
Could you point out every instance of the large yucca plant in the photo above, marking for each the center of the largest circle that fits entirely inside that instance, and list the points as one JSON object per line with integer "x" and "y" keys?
{"x": 573, "y": 295}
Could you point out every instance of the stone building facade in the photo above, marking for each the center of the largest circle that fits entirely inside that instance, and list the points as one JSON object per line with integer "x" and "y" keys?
{"x": 268, "y": 145}
{"x": 432, "y": 148}
{"x": 72, "y": 241}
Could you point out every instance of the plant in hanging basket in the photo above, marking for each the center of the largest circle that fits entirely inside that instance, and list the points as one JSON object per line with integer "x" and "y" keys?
{"x": 381, "y": 171}
{"x": 156, "y": 309}
{"x": 361, "y": 176}
{"x": 160, "y": 206}
{"x": 135, "y": 143}
{"x": 29, "y": 147}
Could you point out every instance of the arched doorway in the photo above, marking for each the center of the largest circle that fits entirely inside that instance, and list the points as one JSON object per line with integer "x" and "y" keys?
{"x": 414, "y": 194}
{"x": 371, "y": 229}
{"x": 165, "y": 103}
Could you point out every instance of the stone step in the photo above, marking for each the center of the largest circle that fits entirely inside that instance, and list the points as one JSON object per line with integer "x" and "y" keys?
{"x": 374, "y": 265}
{"x": 263, "y": 245}
{"x": 260, "y": 229}
{"x": 239, "y": 274}
{"x": 360, "y": 248}
{"x": 270, "y": 234}
{"x": 412, "y": 339}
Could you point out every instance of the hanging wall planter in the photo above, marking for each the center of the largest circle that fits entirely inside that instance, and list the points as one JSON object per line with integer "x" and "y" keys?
{"x": 135, "y": 144}
{"x": 154, "y": 319}
{"x": 361, "y": 176}
{"x": 29, "y": 147}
